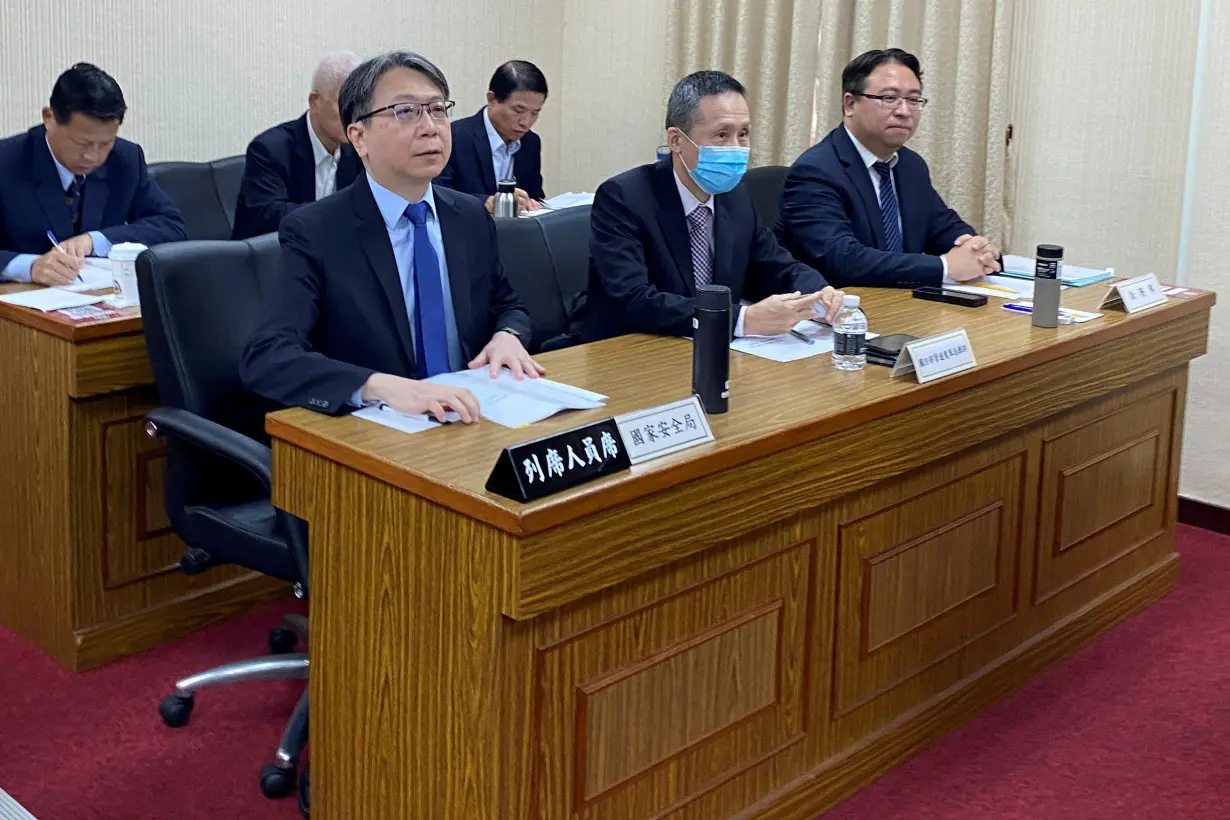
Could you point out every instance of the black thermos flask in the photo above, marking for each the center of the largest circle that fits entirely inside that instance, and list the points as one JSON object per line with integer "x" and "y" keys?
{"x": 711, "y": 330}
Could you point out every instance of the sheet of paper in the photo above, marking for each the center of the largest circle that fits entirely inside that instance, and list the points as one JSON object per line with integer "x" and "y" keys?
{"x": 46, "y": 299}
{"x": 1022, "y": 267}
{"x": 1074, "y": 316}
{"x": 513, "y": 403}
{"x": 788, "y": 348}
{"x": 383, "y": 414}
{"x": 561, "y": 201}
{"x": 1002, "y": 287}
{"x": 96, "y": 275}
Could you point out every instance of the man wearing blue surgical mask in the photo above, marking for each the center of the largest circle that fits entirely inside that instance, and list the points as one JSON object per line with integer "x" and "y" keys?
{"x": 660, "y": 230}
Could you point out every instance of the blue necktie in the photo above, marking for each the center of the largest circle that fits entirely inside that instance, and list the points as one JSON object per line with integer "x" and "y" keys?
{"x": 888, "y": 208}
{"x": 430, "y": 336}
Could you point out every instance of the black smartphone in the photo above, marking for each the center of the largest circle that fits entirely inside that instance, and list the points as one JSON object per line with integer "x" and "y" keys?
{"x": 950, "y": 297}
{"x": 885, "y": 349}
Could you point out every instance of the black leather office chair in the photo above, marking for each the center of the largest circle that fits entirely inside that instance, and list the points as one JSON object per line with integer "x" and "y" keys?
{"x": 228, "y": 177}
{"x": 198, "y": 303}
{"x": 191, "y": 187}
{"x": 547, "y": 260}
{"x": 567, "y": 233}
{"x": 765, "y": 185}
{"x": 266, "y": 255}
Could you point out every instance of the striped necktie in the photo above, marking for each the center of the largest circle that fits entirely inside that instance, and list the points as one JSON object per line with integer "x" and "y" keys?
{"x": 889, "y": 213}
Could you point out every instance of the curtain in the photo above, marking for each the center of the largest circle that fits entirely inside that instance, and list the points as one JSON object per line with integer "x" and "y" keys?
{"x": 768, "y": 45}
{"x": 964, "y": 47}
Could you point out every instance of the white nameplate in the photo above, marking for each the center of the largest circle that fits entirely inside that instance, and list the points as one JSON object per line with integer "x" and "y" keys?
{"x": 1133, "y": 295}
{"x": 667, "y": 429}
{"x": 936, "y": 356}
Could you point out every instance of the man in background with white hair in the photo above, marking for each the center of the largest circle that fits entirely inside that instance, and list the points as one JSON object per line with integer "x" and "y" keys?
{"x": 299, "y": 161}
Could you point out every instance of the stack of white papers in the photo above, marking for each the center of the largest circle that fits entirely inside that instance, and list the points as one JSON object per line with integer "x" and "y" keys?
{"x": 47, "y": 299}
{"x": 561, "y": 201}
{"x": 1022, "y": 267}
{"x": 504, "y": 400}
{"x": 790, "y": 348}
{"x": 96, "y": 275}
{"x": 1003, "y": 287}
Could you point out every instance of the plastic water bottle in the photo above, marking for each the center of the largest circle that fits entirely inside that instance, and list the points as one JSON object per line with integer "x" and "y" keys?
{"x": 850, "y": 336}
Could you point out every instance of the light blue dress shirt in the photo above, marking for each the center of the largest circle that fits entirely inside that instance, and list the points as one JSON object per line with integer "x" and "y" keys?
{"x": 18, "y": 268}
{"x": 401, "y": 237}
{"x": 501, "y": 153}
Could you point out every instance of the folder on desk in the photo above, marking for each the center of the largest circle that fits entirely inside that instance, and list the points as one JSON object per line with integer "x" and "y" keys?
{"x": 1022, "y": 267}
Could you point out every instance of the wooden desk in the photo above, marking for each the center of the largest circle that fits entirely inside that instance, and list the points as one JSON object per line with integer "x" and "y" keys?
{"x": 88, "y": 566}
{"x": 752, "y": 628}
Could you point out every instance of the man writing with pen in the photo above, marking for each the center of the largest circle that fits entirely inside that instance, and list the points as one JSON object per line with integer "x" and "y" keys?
{"x": 70, "y": 188}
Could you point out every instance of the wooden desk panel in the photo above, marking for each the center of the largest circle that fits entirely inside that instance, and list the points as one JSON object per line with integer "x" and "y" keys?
{"x": 751, "y": 629}
{"x": 88, "y": 567}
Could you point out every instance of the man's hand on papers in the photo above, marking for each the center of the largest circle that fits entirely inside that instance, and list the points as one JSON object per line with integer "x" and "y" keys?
{"x": 506, "y": 350}
{"x": 81, "y": 245}
{"x": 55, "y": 269}
{"x": 415, "y": 397}
{"x": 779, "y": 313}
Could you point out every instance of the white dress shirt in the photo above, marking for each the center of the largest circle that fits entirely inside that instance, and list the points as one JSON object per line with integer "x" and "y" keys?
{"x": 501, "y": 152}
{"x": 870, "y": 159}
{"x": 691, "y": 203}
{"x": 326, "y": 164}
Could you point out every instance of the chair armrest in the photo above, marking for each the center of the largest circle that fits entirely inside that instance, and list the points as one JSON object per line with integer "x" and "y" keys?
{"x": 248, "y": 453}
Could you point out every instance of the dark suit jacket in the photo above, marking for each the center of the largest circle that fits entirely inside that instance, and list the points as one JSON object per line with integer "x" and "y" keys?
{"x": 640, "y": 269}
{"x": 470, "y": 168}
{"x": 119, "y": 199}
{"x": 279, "y": 175}
{"x": 830, "y": 218}
{"x": 336, "y": 312}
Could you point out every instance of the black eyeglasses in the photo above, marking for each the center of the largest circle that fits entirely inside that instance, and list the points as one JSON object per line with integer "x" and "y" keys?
{"x": 408, "y": 112}
{"x": 891, "y": 101}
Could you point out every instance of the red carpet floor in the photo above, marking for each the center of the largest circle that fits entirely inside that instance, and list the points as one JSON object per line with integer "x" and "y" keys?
{"x": 1137, "y": 725}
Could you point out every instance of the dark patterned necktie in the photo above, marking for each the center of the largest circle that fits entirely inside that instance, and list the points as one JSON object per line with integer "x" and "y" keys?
{"x": 700, "y": 225}
{"x": 72, "y": 197}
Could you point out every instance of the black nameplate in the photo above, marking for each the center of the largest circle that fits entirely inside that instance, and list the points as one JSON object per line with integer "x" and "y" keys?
{"x": 556, "y": 462}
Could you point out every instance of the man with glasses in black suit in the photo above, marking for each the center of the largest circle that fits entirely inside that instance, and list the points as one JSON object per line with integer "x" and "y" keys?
{"x": 393, "y": 280}
{"x": 859, "y": 206}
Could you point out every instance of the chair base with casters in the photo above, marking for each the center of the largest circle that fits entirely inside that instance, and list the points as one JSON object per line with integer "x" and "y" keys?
{"x": 278, "y": 777}
{"x": 200, "y": 302}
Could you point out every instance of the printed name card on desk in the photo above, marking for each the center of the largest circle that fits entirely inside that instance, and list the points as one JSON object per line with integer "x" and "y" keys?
{"x": 557, "y": 462}
{"x": 936, "y": 356}
{"x": 666, "y": 429}
{"x": 1133, "y": 295}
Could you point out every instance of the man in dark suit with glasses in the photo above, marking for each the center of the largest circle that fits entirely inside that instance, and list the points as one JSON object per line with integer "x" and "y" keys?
{"x": 392, "y": 280}
{"x": 859, "y": 206}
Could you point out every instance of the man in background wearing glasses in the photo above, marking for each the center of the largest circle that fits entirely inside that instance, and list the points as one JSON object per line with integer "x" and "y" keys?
{"x": 390, "y": 281}
{"x": 859, "y": 206}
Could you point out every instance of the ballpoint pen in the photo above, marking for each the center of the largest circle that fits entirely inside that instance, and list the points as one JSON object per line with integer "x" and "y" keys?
{"x": 801, "y": 337}
{"x": 56, "y": 242}
{"x": 1066, "y": 317}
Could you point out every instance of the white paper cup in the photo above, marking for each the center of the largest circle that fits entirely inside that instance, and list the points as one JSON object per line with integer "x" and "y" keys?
{"x": 124, "y": 273}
